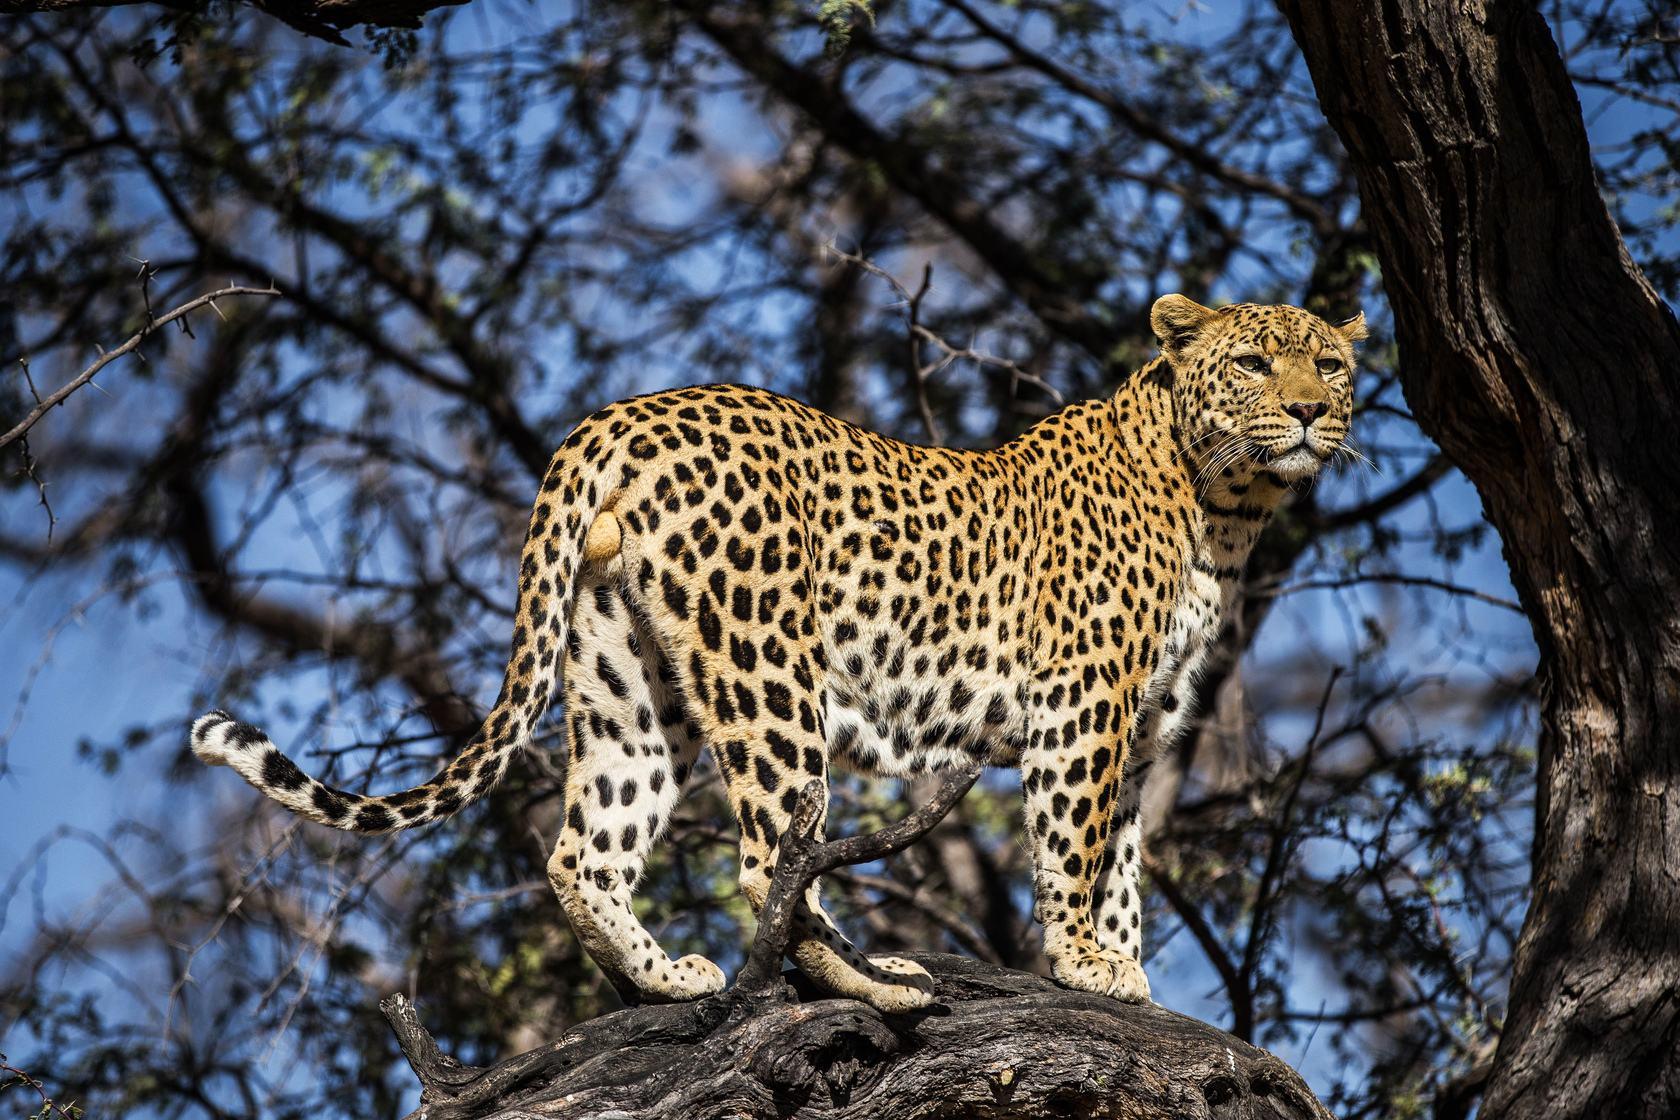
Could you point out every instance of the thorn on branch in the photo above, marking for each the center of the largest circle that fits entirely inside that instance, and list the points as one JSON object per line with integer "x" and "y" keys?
{"x": 49, "y": 1107}
{"x": 146, "y": 274}
{"x": 61, "y": 394}
{"x": 31, "y": 471}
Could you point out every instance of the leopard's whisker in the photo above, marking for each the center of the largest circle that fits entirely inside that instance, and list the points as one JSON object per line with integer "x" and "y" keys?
{"x": 1212, "y": 463}
{"x": 1189, "y": 448}
{"x": 1227, "y": 454}
{"x": 1359, "y": 456}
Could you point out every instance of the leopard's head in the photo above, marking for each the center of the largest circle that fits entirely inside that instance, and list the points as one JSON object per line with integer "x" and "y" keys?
{"x": 1258, "y": 387}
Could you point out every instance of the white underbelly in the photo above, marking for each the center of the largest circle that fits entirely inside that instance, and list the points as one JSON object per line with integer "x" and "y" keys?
{"x": 899, "y": 713}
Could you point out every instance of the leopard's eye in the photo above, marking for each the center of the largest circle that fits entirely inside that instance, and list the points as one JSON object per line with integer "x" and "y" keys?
{"x": 1253, "y": 363}
{"x": 1329, "y": 367}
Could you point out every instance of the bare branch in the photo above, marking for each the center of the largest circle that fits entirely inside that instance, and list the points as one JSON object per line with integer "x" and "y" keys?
{"x": 59, "y": 396}
{"x": 1196, "y": 922}
{"x": 1055, "y": 290}
{"x": 1283, "y": 842}
{"x": 1195, "y": 154}
{"x": 920, "y": 334}
{"x": 321, "y": 19}
{"x": 800, "y": 858}
{"x": 1278, "y": 591}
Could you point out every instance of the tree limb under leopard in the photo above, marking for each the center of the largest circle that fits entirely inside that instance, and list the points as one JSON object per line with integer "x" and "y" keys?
{"x": 999, "y": 1043}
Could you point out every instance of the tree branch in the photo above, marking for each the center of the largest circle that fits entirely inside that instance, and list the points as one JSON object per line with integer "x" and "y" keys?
{"x": 1196, "y": 155}
{"x": 1001, "y": 1044}
{"x": 800, "y": 858}
{"x": 321, "y": 19}
{"x": 60, "y": 395}
{"x": 1055, "y": 291}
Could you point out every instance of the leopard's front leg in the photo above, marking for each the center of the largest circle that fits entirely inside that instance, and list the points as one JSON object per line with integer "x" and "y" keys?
{"x": 1071, "y": 781}
{"x": 1117, "y": 899}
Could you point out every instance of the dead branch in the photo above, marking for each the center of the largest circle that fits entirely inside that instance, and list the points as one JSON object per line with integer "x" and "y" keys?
{"x": 52, "y": 400}
{"x": 800, "y": 858}
{"x": 919, "y": 335}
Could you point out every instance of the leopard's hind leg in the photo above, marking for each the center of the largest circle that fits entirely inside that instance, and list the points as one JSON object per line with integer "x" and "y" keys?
{"x": 631, "y": 749}
{"x": 756, "y": 693}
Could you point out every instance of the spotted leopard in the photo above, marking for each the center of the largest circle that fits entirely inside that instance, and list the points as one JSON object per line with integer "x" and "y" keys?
{"x": 723, "y": 566}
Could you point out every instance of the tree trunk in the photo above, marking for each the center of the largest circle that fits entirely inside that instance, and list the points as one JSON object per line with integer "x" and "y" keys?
{"x": 999, "y": 1044}
{"x": 1538, "y": 358}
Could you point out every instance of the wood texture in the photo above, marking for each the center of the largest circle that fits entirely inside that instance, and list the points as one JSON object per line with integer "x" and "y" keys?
{"x": 998, "y": 1044}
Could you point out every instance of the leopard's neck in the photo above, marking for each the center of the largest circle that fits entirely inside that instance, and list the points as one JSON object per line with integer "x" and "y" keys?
{"x": 1233, "y": 495}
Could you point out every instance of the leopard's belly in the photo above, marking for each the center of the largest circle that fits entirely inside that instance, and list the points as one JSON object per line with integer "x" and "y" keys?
{"x": 895, "y": 708}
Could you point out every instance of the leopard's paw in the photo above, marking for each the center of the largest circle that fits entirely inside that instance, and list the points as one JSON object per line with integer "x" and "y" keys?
{"x": 698, "y": 976}
{"x": 890, "y": 984}
{"x": 690, "y": 977}
{"x": 898, "y": 986}
{"x": 1108, "y": 972}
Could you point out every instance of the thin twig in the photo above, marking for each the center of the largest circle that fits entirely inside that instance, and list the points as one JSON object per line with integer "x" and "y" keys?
{"x": 1194, "y": 921}
{"x": 48, "y": 1105}
{"x": 1260, "y": 917}
{"x": 921, "y": 372}
{"x": 30, "y": 463}
{"x": 1278, "y": 591}
{"x": 108, "y": 356}
{"x": 963, "y": 931}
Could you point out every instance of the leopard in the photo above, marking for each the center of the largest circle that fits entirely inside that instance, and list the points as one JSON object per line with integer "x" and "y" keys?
{"x": 725, "y": 568}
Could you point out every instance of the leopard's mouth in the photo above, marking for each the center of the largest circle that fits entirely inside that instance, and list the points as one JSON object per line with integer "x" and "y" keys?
{"x": 1294, "y": 461}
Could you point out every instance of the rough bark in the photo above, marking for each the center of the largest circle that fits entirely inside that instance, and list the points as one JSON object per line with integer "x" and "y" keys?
{"x": 998, "y": 1044}
{"x": 1536, "y": 355}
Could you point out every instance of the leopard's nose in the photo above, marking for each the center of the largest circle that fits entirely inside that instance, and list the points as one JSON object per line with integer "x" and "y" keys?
{"x": 1307, "y": 411}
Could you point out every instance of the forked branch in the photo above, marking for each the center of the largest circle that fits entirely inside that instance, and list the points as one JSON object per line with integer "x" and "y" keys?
{"x": 801, "y": 858}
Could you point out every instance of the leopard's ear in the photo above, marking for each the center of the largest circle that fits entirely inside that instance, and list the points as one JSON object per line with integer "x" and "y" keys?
{"x": 1176, "y": 320}
{"x": 1354, "y": 329}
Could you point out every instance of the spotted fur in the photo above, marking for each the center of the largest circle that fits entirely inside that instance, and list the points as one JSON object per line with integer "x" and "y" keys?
{"x": 726, "y": 567}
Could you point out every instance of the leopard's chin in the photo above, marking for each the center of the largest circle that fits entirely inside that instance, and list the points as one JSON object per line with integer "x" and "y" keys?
{"x": 1295, "y": 464}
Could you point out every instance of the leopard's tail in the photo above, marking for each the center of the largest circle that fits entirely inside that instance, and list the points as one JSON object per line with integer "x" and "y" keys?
{"x": 576, "y": 487}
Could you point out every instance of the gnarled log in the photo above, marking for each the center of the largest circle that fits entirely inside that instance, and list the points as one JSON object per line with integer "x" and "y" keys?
{"x": 996, "y": 1044}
